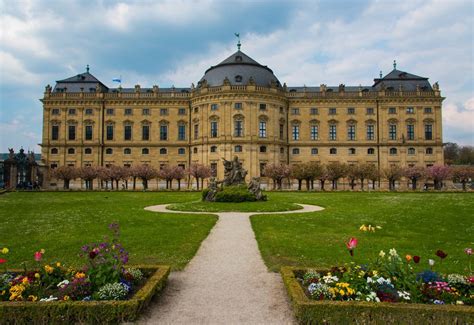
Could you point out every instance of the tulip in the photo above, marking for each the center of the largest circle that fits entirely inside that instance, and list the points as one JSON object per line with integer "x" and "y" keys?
{"x": 5, "y": 250}
{"x": 38, "y": 256}
{"x": 442, "y": 255}
{"x": 468, "y": 251}
{"x": 2, "y": 260}
{"x": 408, "y": 258}
{"x": 416, "y": 259}
{"x": 351, "y": 244}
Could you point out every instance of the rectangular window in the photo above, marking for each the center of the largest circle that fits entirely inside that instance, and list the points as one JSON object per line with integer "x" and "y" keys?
{"x": 295, "y": 111}
{"x": 213, "y": 129}
{"x": 72, "y": 111}
{"x": 428, "y": 132}
{"x": 214, "y": 107}
{"x": 196, "y": 109}
{"x": 392, "y": 132}
{"x": 370, "y": 132}
{"x": 410, "y": 132}
{"x": 110, "y": 132}
{"x": 163, "y": 132}
{"x": 181, "y": 111}
{"x": 127, "y": 134}
{"x": 238, "y": 128}
{"x": 296, "y": 132}
{"x": 282, "y": 131}
{"x": 262, "y": 129}
{"x": 89, "y": 111}
{"x": 145, "y": 132}
{"x": 238, "y": 105}
{"x": 410, "y": 110}
{"x": 182, "y": 132}
{"x": 263, "y": 107}
{"x": 128, "y": 111}
{"x": 369, "y": 111}
{"x": 55, "y": 111}
{"x": 428, "y": 110}
{"x": 332, "y": 132}
{"x": 109, "y": 111}
{"x": 146, "y": 111}
{"x": 392, "y": 110}
{"x": 163, "y": 111}
{"x": 332, "y": 111}
{"x": 351, "y": 132}
{"x": 196, "y": 131}
{"x": 351, "y": 111}
{"x": 55, "y": 132}
{"x": 282, "y": 110}
{"x": 313, "y": 111}
{"x": 314, "y": 132}
{"x": 71, "y": 132}
{"x": 88, "y": 132}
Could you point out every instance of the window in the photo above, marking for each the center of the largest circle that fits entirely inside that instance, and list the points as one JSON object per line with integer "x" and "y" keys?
{"x": 262, "y": 169}
{"x": 369, "y": 111}
{"x": 196, "y": 131}
{"x": 128, "y": 111}
{"x": 333, "y": 151}
{"x": 295, "y": 151}
{"x": 314, "y": 151}
{"x": 238, "y": 128}
{"x": 238, "y": 149}
{"x": 108, "y": 151}
{"x": 332, "y": 132}
{"x": 282, "y": 110}
{"x": 55, "y": 132}
{"x": 213, "y": 148}
{"x": 393, "y": 151}
{"x": 313, "y": 111}
{"x": 127, "y": 135}
{"x": 146, "y": 151}
{"x": 428, "y": 110}
{"x": 110, "y": 132}
{"x": 429, "y": 151}
{"x": 410, "y": 110}
{"x": 195, "y": 150}
{"x": 282, "y": 150}
{"x": 295, "y": 111}
{"x": 181, "y": 131}
{"x": 181, "y": 151}
{"x": 370, "y": 132}
{"x": 71, "y": 111}
{"x": 54, "y": 151}
{"x": 181, "y": 111}
{"x": 214, "y": 107}
{"x": 263, "y": 149}
{"x": 351, "y": 132}
{"x": 238, "y": 105}
{"x": 55, "y": 111}
{"x": 314, "y": 132}
{"x": 262, "y": 129}
{"x": 238, "y": 78}
{"x": 352, "y": 151}
{"x": 296, "y": 132}
{"x": 53, "y": 166}
{"x": 332, "y": 111}
{"x": 127, "y": 151}
{"x": 88, "y": 151}
{"x": 411, "y": 151}
{"x": 214, "y": 169}
{"x": 163, "y": 111}
{"x": 89, "y": 111}
{"x": 196, "y": 109}
{"x": 145, "y": 132}
{"x": 282, "y": 131}
{"x": 392, "y": 132}
{"x": 146, "y": 111}
{"x": 109, "y": 111}
{"x": 428, "y": 132}
{"x": 71, "y": 151}
{"x": 88, "y": 133}
{"x": 410, "y": 132}
{"x": 71, "y": 132}
{"x": 371, "y": 151}
{"x": 351, "y": 111}
{"x": 392, "y": 110}
{"x": 163, "y": 132}
{"x": 213, "y": 129}
{"x": 263, "y": 107}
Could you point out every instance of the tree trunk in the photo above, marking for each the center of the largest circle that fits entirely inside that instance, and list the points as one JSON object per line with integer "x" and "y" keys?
{"x": 362, "y": 184}
{"x": 334, "y": 184}
{"x": 464, "y": 185}
{"x": 307, "y": 184}
{"x": 171, "y": 184}
{"x": 145, "y": 184}
{"x": 179, "y": 184}
{"x": 197, "y": 183}
{"x": 116, "y": 184}
{"x": 202, "y": 183}
{"x": 413, "y": 184}
{"x": 312, "y": 184}
{"x": 322, "y": 184}
{"x": 134, "y": 183}
{"x": 352, "y": 184}
{"x": 299, "y": 184}
{"x": 126, "y": 184}
{"x": 274, "y": 183}
{"x": 66, "y": 184}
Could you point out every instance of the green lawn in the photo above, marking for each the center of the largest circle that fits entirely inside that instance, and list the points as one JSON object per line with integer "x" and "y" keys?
{"x": 61, "y": 222}
{"x": 273, "y": 204}
{"x": 413, "y": 223}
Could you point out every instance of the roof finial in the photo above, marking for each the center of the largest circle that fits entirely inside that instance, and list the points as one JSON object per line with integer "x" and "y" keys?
{"x": 238, "y": 43}
{"x": 87, "y": 68}
{"x": 380, "y": 74}
{"x": 394, "y": 64}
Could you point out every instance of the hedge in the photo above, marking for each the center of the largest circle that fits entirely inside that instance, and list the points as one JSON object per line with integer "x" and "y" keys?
{"x": 87, "y": 312}
{"x": 308, "y": 311}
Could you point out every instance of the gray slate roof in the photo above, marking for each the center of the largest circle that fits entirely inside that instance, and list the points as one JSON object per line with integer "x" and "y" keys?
{"x": 85, "y": 80}
{"x": 408, "y": 81}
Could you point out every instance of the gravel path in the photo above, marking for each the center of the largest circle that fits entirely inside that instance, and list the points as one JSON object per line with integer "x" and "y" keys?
{"x": 226, "y": 282}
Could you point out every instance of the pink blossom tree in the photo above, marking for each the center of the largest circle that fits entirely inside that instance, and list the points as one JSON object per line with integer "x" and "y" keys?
{"x": 315, "y": 169}
{"x": 199, "y": 172}
{"x": 336, "y": 170}
{"x": 364, "y": 171}
{"x": 277, "y": 172}
{"x": 393, "y": 174}
{"x": 66, "y": 174}
{"x": 145, "y": 173}
{"x": 104, "y": 176}
{"x": 88, "y": 174}
{"x": 414, "y": 174}
{"x": 323, "y": 177}
{"x": 167, "y": 173}
{"x": 300, "y": 173}
{"x": 178, "y": 174}
{"x": 438, "y": 173}
{"x": 463, "y": 174}
{"x": 352, "y": 175}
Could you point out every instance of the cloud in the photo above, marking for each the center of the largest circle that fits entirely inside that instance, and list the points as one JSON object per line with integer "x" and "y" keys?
{"x": 14, "y": 71}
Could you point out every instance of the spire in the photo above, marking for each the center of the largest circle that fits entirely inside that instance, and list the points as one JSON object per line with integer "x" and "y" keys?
{"x": 87, "y": 68}
{"x": 394, "y": 64}
{"x": 238, "y": 43}
{"x": 380, "y": 74}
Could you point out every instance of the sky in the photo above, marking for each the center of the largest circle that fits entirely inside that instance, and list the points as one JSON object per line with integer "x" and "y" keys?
{"x": 172, "y": 42}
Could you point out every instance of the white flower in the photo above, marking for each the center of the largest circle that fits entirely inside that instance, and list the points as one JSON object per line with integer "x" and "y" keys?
{"x": 369, "y": 280}
{"x": 330, "y": 278}
{"x": 51, "y": 298}
{"x": 63, "y": 283}
{"x": 459, "y": 302}
{"x": 393, "y": 252}
{"x": 382, "y": 254}
{"x": 404, "y": 295}
{"x": 431, "y": 262}
{"x": 372, "y": 296}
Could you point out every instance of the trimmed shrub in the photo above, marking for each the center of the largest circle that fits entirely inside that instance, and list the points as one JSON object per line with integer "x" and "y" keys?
{"x": 238, "y": 193}
{"x": 204, "y": 194}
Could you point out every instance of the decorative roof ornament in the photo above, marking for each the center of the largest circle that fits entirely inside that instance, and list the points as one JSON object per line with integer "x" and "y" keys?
{"x": 87, "y": 68}
{"x": 380, "y": 74}
{"x": 394, "y": 64}
{"x": 238, "y": 43}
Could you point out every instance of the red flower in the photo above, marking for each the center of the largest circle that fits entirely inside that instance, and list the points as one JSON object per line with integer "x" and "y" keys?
{"x": 416, "y": 259}
{"x": 38, "y": 256}
{"x": 441, "y": 254}
{"x": 2, "y": 260}
{"x": 351, "y": 244}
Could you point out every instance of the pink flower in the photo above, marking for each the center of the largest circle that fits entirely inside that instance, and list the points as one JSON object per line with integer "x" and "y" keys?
{"x": 351, "y": 244}
{"x": 468, "y": 251}
{"x": 2, "y": 260}
{"x": 38, "y": 256}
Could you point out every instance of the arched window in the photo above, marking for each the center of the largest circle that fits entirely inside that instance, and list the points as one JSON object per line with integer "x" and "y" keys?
{"x": 411, "y": 151}
{"x": 213, "y": 148}
{"x": 238, "y": 78}
{"x": 238, "y": 148}
{"x": 88, "y": 151}
{"x": 108, "y": 151}
{"x": 181, "y": 151}
{"x": 163, "y": 151}
{"x": 429, "y": 151}
{"x": 71, "y": 151}
{"x": 333, "y": 151}
{"x": 282, "y": 150}
{"x": 54, "y": 151}
{"x": 127, "y": 151}
{"x": 393, "y": 151}
{"x": 314, "y": 151}
{"x": 195, "y": 150}
{"x": 263, "y": 149}
{"x": 295, "y": 151}
{"x": 371, "y": 151}
{"x": 352, "y": 151}
{"x": 145, "y": 151}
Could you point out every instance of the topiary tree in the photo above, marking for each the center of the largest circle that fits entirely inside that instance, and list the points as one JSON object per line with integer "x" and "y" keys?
{"x": 438, "y": 173}
{"x": 336, "y": 170}
{"x": 145, "y": 173}
{"x": 88, "y": 174}
{"x": 463, "y": 174}
{"x": 277, "y": 172}
{"x": 393, "y": 174}
{"x": 414, "y": 174}
{"x": 66, "y": 174}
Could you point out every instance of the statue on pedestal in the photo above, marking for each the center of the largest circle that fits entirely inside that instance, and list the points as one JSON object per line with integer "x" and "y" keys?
{"x": 234, "y": 173}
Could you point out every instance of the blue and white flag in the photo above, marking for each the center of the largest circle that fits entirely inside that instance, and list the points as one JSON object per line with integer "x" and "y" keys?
{"x": 117, "y": 80}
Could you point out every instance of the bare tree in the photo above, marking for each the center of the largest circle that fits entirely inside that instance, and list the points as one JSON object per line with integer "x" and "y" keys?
{"x": 463, "y": 174}
{"x": 414, "y": 174}
{"x": 393, "y": 174}
{"x": 438, "y": 173}
{"x": 66, "y": 174}
{"x": 277, "y": 172}
{"x": 336, "y": 170}
{"x": 88, "y": 174}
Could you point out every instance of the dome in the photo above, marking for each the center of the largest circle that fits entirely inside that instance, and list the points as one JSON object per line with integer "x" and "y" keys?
{"x": 238, "y": 69}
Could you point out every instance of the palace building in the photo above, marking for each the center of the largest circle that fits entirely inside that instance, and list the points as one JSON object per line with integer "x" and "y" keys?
{"x": 240, "y": 108}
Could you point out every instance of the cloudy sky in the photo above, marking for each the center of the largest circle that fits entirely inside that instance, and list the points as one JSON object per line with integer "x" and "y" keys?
{"x": 173, "y": 42}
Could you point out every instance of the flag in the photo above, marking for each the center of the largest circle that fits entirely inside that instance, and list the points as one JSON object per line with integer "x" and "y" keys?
{"x": 117, "y": 80}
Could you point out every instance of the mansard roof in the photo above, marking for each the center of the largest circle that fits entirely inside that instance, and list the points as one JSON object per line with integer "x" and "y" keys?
{"x": 85, "y": 80}
{"x": 408, "y": 81}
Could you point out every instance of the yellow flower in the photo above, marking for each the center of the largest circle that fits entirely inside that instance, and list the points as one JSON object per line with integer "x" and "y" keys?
{"x": 58, "y": 264}
{"x": 32, "y": 298}
{"x": 42, "y": 251}
{"x": 37, "y": 275}
{"x": 341, "y": 292}
{"x": 5, "y": 250}
{"x": 48, "y": 269}
{"x": 374, "y": 273}
{"x": 24, "y": 280}
{"x": 80, "y": 275}
{"x": 66, "y": 298}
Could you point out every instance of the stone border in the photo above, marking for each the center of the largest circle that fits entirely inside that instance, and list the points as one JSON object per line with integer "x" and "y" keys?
{"x": 309, "y": 311}
{"x": 305, "y": 208}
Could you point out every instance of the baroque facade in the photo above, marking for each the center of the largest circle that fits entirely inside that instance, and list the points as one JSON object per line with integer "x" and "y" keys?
{"x": 239, "y": 108}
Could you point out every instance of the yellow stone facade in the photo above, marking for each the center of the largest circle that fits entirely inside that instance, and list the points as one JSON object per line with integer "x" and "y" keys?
{"x": 259, "y": 124}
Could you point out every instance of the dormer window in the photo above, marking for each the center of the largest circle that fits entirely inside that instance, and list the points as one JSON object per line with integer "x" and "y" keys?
{"x": 238, "y": 58}
{"x": 238, "y": 78}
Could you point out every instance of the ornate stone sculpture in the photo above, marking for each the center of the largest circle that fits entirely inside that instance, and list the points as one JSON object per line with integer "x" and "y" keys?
{"x": 11, "y": 154}
{"x": 254, "y": 188}
{"x": 234, "y": 173}
{"x": 211, "y": 194}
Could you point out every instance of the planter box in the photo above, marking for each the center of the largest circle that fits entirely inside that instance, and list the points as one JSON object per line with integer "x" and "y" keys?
{"x": 87, "y": 312}
{"x": 309, "y": 311}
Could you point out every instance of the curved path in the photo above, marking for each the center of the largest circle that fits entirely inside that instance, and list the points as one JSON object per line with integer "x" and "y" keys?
{"x": 227, "y": 281}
